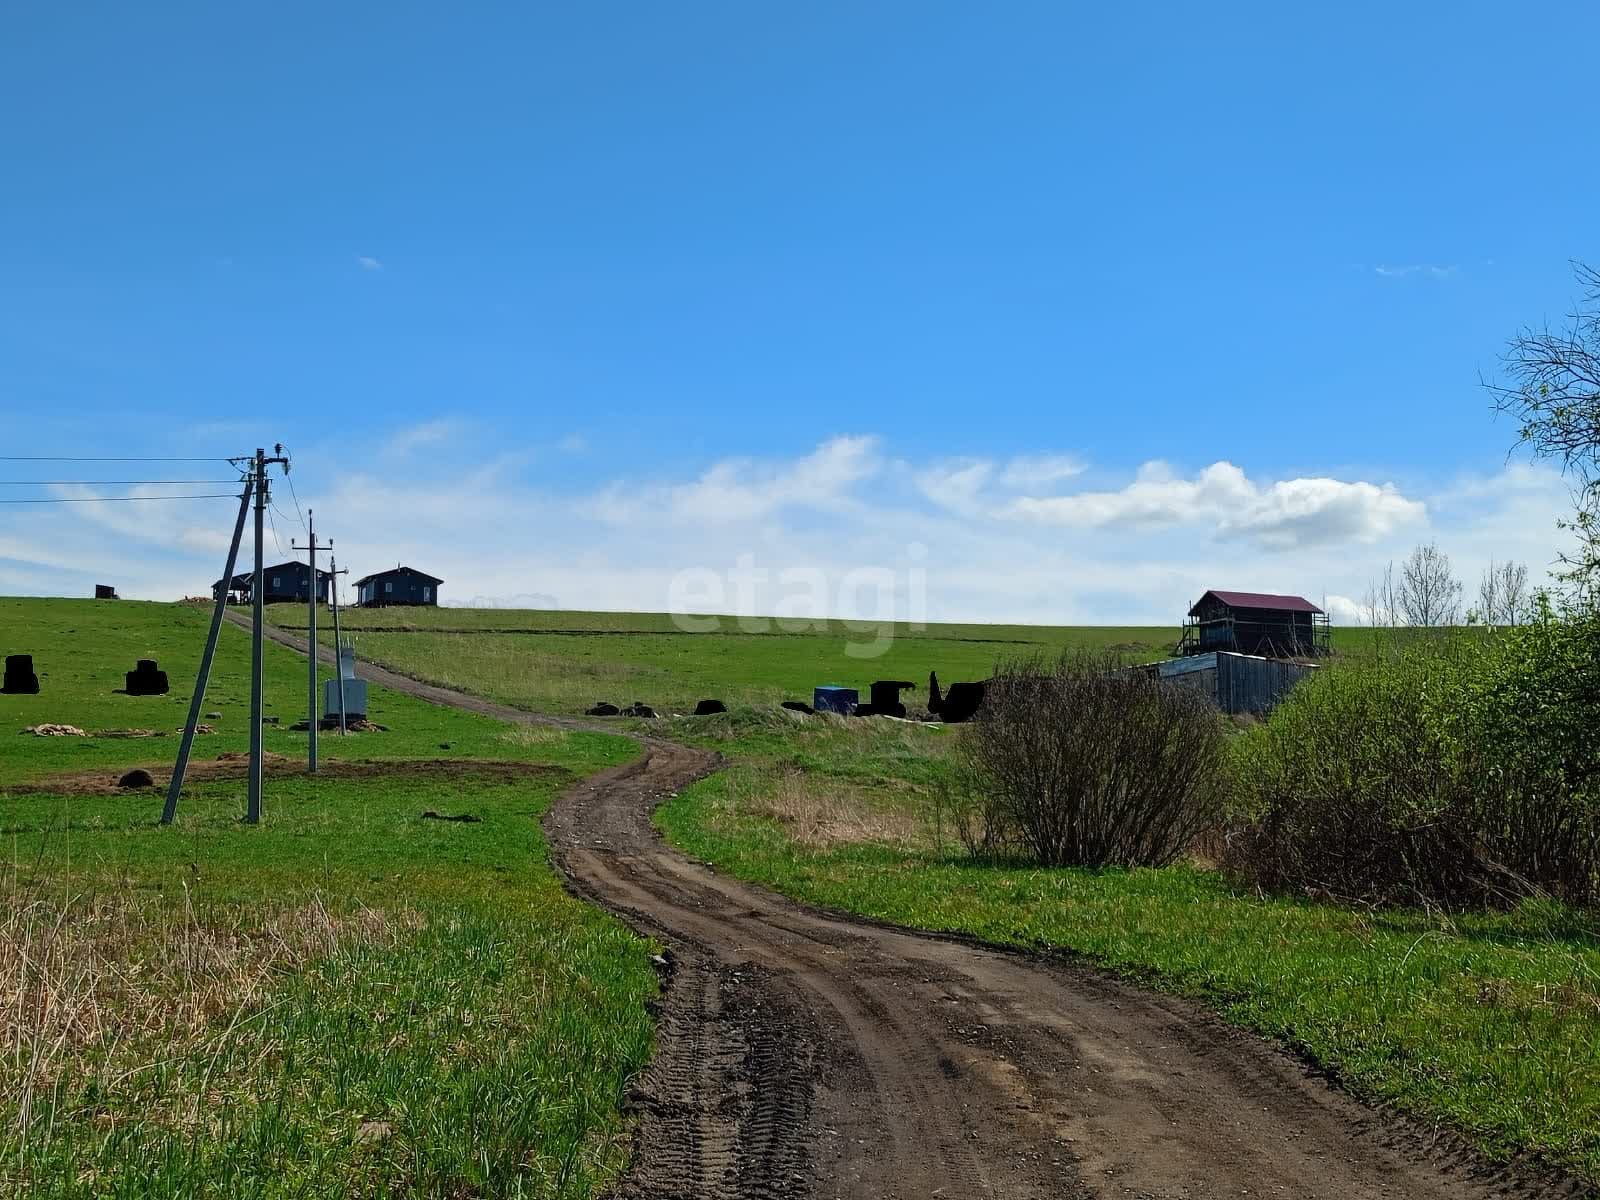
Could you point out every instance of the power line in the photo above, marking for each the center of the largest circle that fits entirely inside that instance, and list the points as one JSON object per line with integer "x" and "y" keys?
{"x": 115, "y": 499}
{"x": 287, "y": 478}
{"x": 278, "y": 541}
{"x": 79, "y": 458}
{"x": 105, "y": 482}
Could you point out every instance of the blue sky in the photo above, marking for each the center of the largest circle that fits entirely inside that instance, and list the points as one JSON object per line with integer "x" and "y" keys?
{"x": 558, "y": 301}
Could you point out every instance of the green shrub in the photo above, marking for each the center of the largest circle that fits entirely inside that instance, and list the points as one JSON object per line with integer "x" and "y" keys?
{"x": 1459, "y": 771}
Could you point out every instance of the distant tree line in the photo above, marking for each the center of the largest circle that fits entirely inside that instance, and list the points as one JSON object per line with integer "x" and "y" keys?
{"x": 1425, "y": 592}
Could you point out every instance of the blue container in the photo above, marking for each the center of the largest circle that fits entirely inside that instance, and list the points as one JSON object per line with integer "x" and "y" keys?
{"x": 841, "y": 700}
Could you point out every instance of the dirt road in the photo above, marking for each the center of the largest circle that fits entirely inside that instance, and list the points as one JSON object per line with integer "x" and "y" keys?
{"x": 805, "y": 1054}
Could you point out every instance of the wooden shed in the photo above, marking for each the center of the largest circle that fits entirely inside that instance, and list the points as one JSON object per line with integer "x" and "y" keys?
{"x": 1255, "y": 623}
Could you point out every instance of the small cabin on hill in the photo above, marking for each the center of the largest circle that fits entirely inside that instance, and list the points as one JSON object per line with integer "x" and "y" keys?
{"x": 286, "y": 583}
{"x": 1258, "y": 623}
{"x": 400, "y": 585}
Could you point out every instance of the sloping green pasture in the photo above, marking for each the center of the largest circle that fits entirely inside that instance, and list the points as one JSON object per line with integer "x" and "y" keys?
{"x": 348, "y": 1000}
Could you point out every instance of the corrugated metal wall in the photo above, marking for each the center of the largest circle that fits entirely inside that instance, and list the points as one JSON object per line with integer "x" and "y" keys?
{"x": 1239, "y": 683}
{"x": 1246, "y": 684}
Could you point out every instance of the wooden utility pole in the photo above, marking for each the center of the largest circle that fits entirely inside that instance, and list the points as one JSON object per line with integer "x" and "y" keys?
{"x": 258, "y": 621}
{"x": 312, "y": 721}
{"x": 170, "y": 811}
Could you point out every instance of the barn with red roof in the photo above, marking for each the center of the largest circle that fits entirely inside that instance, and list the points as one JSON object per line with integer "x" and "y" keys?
{"x": 1255, "y": 623}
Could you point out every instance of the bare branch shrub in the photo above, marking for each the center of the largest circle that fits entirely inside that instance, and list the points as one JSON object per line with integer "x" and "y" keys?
{"x": 1488, "y": 610}
{"x": 1503, "y": 594}
{"x": 1429, "y": 593}
{"x": 1381, "y": 604}
{"x": 1080, "y": 762}
{"x": 1510, "y": 593}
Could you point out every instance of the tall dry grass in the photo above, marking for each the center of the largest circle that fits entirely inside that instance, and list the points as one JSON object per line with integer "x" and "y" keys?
{"x": 821, "y": 813}
{"x": 118, "y": 983}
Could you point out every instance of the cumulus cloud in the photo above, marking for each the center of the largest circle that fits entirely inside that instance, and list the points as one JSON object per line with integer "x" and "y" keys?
{"x": 1280, "y": 515}
{"x": 856, "y": 525}
{"x": 984, "y": 486}
{"x": 368, "y": 263}
{"x": 737, "y": 491}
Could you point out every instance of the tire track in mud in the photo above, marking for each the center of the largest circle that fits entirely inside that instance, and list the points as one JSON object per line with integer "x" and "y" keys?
{"x": 803, "y": 1053}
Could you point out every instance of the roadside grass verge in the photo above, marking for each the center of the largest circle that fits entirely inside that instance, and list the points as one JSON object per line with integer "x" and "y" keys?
{"x": 349, "y": 1000}
{"x": 1487, "y": 1023}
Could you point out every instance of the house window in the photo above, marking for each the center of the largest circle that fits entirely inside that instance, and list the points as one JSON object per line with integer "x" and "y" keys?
{"x": 388, "y": 585}
{"x": 427, "y": 593}
{"x": 277, "y": 581}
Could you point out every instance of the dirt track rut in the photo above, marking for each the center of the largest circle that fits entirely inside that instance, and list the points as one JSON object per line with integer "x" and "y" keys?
{"x": 807, "y": 1054}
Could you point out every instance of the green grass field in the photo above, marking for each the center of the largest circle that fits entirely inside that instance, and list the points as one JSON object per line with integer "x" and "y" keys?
{"x": 348, "y": 1000}
{"x": 566, "y": 661}
{"x": 1489, "y": 1024}
{"x": 365, "y": 939}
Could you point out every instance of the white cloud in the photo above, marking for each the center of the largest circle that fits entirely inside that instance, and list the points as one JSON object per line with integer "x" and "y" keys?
{"x": 522, "y": 600}
{"x": 417, "y": 437}
{"x": 737, "y": 491}
{"x": 1423, "y": 270}
{"x": 1280, "y": 515}
{"x": 1040, "y": 470}
{"x": 1344, "y": 611}
{"x": 1136, "y": 551}
{"x": 368, "y": 263}
{"x": 573, "y": 443}
{"x": 982, "y": 486}
{"x": 958, "y": 486}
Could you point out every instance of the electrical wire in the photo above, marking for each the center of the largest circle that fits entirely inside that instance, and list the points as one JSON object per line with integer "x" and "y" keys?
{"x": 289, "y": 479}
{"x": 104, "y": 482}
{"x": 115, "y": 499}
{"x": 79, "y": 458}
{"x": 272, "y": 521}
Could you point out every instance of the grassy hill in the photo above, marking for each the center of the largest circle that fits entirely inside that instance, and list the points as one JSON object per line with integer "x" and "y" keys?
{"x": 565, "y": 661}
{"x": 348, "y": 999}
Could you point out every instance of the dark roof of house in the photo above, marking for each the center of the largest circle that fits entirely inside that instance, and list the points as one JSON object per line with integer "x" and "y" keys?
{"x": 1259, "y": 600}
{"x": 434, "y": 579}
